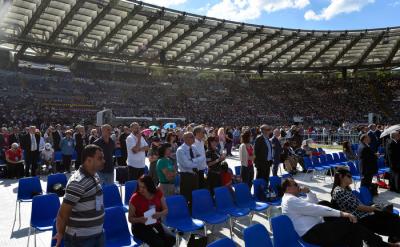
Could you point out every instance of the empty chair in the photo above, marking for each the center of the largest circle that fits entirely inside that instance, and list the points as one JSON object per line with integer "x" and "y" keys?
{"x": 260, "y": 187}
{"x": 223, "y": 242}
{"x": 381, "y": 166}
{"x": 44, "y": 211}
{"x": 342, "y": 157}
{"x": 308, "y": 166}
{"x": 111, "y": 196}
{"x": 203, "y": 209}
{"x": 237, "y": 170}
{"x": 53, "y": 179}
{"x": 116, "y": 229}
{"x": 331, "y": 162}
{"x": 355, "y": 174}
{"x": 256, "y": 236}
{"x": 27, "y": 188}
{"x": 337, "y": 159}
{"x": 244, "y": 199}
{"x": 130, "y": 189}
{"x": 284, "y": 233}
{"x": 178, "y": 216}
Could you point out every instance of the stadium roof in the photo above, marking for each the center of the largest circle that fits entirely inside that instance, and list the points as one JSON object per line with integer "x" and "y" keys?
{"x": 64, "y": 31}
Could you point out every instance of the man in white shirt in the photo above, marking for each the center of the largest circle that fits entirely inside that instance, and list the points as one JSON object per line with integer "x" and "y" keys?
{"x": 198, "y": 133}
{"x": 307, "y": 217}
{"x": 136, "y": 147}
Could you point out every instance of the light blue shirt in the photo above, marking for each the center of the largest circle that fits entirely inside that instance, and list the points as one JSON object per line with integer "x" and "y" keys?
{"x": 185, "y": 162}
{"x": 269, "y": 148}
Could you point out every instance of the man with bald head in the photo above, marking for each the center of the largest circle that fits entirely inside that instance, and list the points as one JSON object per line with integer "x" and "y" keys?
{"x": 189, "y": 161}
{"x": 264, "y": 153}
{"x": 393, "y": 160}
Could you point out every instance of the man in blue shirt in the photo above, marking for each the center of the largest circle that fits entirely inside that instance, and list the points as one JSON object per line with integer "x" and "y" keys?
{"x": 263, "y": 152}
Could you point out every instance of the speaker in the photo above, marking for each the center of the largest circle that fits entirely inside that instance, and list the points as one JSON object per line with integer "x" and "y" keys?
{"x": 260, "y": 70}
{"x": 162, "y": 57}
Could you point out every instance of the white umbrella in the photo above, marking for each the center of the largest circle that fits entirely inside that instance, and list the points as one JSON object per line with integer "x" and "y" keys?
{"x": 390, "y": 130}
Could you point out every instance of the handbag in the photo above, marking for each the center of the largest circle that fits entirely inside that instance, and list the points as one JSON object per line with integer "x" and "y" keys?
{"x": 58, "y": 189}
{"x": 197, "y": 240}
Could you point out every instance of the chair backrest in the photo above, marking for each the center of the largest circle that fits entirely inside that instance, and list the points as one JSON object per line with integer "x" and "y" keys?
{"x": 223, "y": 242}
{"x": 243, "y": 195}
{"x": 130, "y": 188}
{"x": 365, "y": 196}
{"x": 275, "y": 183}
{"x": 177, "y": 208}
{"x": 55, "y": 179}
{"x": 342, "y": 157}
{"x": 223, "y": 198}
{"x": 307, "y": 162}
{"x": 329, "y": 159}
{"x": 44, "y": 209}
{"x": 259, "y": 187}
{"x": 323, "y": 159}
{"x": 237, "y": 170}
{"x": 284, "y": 233}
{"x": 111, "y": 196}
{"x": 320, "y": 150}
{"x": 336, "y": 157}
{"x": 353, "y": 169}
{"x": 256, "y": 235}
{"x": 116, "y": 227}
{"x": 27, "y": 187}
{"x": 57, "y": 156}
{"x": 202, "y": 202}
{"x": 316, "y": 161}
{"x": 53, "y": 233}
{"x": 381, "y": 162}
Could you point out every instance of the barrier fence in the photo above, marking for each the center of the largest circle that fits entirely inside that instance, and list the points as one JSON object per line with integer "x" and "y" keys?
{"x": 331, "y": 139}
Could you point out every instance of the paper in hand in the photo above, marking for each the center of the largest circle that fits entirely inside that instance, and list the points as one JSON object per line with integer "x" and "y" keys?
{"x": 149, "y": 216}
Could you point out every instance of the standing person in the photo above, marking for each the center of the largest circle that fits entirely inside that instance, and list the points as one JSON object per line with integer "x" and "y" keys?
{"x": 57, "y": 136}
{"x": 81, "y": 215}
{"x": 93, "y": 136}
{"x": 348, "y": 152}
{"x": 152, "y": 155}
{"x": 147, "y": 196}
{"x": 30, "y": 145}
{"x": 136, "y": 147}
{"x": 277, "y": 150}
{"x": 393, "y": 160}
{"x": 214, "y": 159}
{"x": 171, "y": 139}
{"x": 189, "y": 160}
{"x": 198, "y": 133}
{"x": 222, "y": 139}
{"x": 246, "y": 157}
{"x": 229, "y": 142}
{"x": 81, "y": 141}
{"x": 15, "y": 164}
{"x": 264, "y": 153}
{"x": 374, "y": 139}
{"x": 67, "y": 150}
{"x": 15, "y": 137}
{"x": 236, "y": 137}
{"x": 107, "y": 145}
{"x": 122, "y": 141}
{"x": 368, "y": 161}
{"x": 166, "y": 171}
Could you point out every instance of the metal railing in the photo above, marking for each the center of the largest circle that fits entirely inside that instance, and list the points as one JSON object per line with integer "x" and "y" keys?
{"x": 331, "y": 139}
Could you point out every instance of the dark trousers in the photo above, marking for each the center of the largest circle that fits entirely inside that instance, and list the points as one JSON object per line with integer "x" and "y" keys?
{"x": 202, "y": 180}
{"x": 366, "y": 180}
{"x": 394, "y": 181}
{"x": 15, "y": 170}
{"x": 213, "y": 180}
{"x": 66, "y": 163}
{"x": 135, "y": 173}
{"x": 188, "y": 183}
{"x": 341, "y": 232}
{"x": 382, "y": 223}
{"x": 247, "y": 175}
{"x": 78, "y": 160}
{"x": 31, "y": 159}
{"x": 228, "y": 146}
{"x": 153, "y": 235}
{"x": 263, "y": 170}
{"x": 275, "y": 168}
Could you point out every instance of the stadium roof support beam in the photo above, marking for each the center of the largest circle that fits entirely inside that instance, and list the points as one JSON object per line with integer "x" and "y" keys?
{"x": 254, "y": 47}
{"x": 199, "y": 40}
{"x": 322, "y": 52}
{"x": 141, "y": 30}
{"x": 230, "y": 34}
{"x": 43, "y": 5}
{"x": 392, "y": 53}
{"x": 90, "y": 27}
{"x": 271, "y": 48}
{"x": 287, "y": 49}
{"x": 372, "y": 46}
{"x": 172, "y": 25}
{"x": 304, "y": 50}
{"x": 345, "y": 50}
{"x": 119, "y": 26}
{"x": 64, "y": 22}
{"x": 235, "y": 46}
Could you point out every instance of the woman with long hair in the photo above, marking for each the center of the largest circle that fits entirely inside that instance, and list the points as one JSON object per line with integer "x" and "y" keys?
{"x": 378, "y": 221}
{"x": 246, "y": 157}
{"x": 214, "y": 160}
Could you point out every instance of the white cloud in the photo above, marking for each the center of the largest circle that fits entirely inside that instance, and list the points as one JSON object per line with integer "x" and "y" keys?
{"x": 243, "y": 10}
{"x": 337, "y": 7}
{"x": 165, "y": 3}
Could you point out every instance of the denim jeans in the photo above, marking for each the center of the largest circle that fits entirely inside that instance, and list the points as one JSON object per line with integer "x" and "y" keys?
{"x": 94, "y": 241}
{"x": 106, "y": 177}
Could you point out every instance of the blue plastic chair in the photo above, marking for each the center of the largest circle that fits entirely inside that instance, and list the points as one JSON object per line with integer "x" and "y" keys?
{"x": 116, "y": 229}
{"x": 111, "y": 196}
{"x": 237, "y": 170}
{"x": 74, "y": 156}
{"x": 203, "y": 209}
{"x": 178, "y": 216}
{"x": 118, "y": 153}
{"x": 223, "y": 242}
{"x": 130, "y": 189}
{"x": 366, "y": 198}
{"x": 284, "y": 233}
{"x": 382, "y": 167}
{"x": 342, "y": 157}
{"x": 44, "y": 211}
{"x": 355, "y": 174}
{"x": 26, "y": 188}
{"x": 57, "y": 156}
{"x": 54, "y": 179}
{"x": 244, "y": 199}
{"x": 53, "y": 233}
{"x": 331, "y": 162}
{"x": 256, "y": 235}
{"x": 260, "y": 187}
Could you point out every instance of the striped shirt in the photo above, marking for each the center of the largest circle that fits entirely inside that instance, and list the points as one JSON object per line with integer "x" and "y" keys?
{"x": 84, "y": 193}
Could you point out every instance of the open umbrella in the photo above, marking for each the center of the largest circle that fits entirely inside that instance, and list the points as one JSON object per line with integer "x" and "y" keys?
{"x": 154, "y": 127}
{"x": 390, "y": 130}
{"x": 170, "y": 126}
{"x": 147, "y": 132}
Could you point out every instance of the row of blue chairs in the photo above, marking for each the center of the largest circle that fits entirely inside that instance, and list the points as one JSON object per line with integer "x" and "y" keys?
{"x": 323, "y": 163}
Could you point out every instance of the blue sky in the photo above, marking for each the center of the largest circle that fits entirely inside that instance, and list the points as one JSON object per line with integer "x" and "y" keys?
{"x": 304, "y": 14}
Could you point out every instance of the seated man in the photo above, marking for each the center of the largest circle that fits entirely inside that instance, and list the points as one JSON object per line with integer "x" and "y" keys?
{"x": 307, "y": 218}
